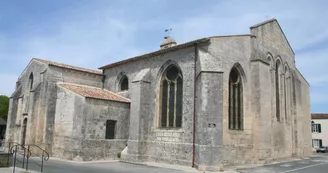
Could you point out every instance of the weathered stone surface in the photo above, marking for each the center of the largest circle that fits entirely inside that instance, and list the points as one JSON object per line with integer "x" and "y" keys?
{"x": 73, "y": 127}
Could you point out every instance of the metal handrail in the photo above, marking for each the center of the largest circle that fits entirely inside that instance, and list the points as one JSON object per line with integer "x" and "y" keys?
{"x": 44, "y": 151}
{"x": 12, "y": 149}
{"x": 43, "y": 158}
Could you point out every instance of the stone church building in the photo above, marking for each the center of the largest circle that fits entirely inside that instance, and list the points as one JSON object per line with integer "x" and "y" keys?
{"x": 209, "y": 103}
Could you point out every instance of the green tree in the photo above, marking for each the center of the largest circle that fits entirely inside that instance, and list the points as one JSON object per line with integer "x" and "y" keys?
{"x": 4, "y": 105}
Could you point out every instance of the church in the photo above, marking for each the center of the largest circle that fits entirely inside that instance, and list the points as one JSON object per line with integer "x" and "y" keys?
{"x": 209, "y": 103}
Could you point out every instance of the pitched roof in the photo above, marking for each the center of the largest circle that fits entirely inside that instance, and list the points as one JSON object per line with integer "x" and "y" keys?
{"x": 161, "y": 51}
{"x": 319, "y": 116}
{"x": 170, "y": 49}
{"x": 57, "y": 64}
{"x": 93, "y": 92}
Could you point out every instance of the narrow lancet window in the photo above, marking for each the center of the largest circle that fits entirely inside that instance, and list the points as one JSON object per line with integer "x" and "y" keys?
{"x": 124, "y": 83}
{"x": 235, "y": 100}
{"x": 277, "y": 78}
{"x": 171, "y": 98}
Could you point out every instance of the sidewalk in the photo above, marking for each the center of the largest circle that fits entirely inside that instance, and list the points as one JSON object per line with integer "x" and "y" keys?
{"x": 17, "y": 170}
{"x": 182, "y": 168}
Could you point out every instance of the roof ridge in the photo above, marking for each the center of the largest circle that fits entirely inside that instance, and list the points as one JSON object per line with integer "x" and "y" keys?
{"x": 91, "y": 92}
{"x": 156, "y": 52}
{"x": 264, "y": 22}
{"x": 63, "y": 65}
{"x": 116, "y": 94}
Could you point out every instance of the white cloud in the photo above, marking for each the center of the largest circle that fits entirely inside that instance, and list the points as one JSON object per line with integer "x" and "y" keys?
{"x": 92, "y": 36}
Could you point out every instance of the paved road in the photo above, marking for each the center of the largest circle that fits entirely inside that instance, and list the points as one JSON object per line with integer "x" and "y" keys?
{"x": 316, "y": 164}
{"x": 55, "y": 166}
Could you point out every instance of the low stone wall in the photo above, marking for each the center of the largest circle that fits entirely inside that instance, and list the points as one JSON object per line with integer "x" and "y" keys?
{"x": 88, "y": 150}
{"x": 102, "y": 149}
{"x": 4, "y": 162}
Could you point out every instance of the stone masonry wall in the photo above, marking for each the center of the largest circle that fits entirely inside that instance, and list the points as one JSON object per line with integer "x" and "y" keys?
{"x": 93, "y": 128}
{"x": 169, "y": 146}
{"x": 58, "y": 75}
{"x": 238, "y": 145}
{"x": 66, "y": 144}
{"x": 80, "y": 127}
{"x": 20, "y": 99}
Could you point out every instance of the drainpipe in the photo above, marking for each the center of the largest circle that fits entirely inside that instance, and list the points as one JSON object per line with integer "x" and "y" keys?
{"x": 194, "y": 116}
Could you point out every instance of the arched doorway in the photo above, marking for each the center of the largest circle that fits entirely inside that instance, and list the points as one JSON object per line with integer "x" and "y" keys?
{"x": 24, "y": 131}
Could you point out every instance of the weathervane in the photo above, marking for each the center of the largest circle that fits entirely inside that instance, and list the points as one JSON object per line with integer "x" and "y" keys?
{"x": 168, "y": 31}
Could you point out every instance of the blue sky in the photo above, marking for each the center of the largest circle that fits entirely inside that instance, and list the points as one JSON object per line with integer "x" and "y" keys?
{"x": 92, "y": 33}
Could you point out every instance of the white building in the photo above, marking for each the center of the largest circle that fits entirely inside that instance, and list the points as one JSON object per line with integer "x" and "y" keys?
{"x": 319, "y": 130}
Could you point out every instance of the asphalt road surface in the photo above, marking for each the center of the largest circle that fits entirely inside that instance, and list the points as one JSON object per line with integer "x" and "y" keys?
{"x": 316, "y": 164}
{"x": 56, "y": 166}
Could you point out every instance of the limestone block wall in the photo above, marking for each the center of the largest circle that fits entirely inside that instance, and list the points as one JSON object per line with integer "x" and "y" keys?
{"x": 80, "y": 127}
{"x": 21, "y": 99}
{"x": 304, "y": 114}
{"x": 53, "y": 76}
{"x": 94, "y": 145}
{"x": 237, "y": 145}
{"x": 161, "y": 145}
{"x": 66, "y": 143}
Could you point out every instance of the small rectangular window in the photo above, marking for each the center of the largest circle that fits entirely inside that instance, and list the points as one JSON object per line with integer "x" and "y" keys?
{"x": 110, "y": 129}
{"x": 316, "y": 143}
{"x": 316, "y": 128}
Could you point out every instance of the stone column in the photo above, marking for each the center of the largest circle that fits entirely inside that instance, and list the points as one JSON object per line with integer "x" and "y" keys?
{"x": 261, "y": 107}
{"x": 30, "y": 125}
{"x": 282, "y": 98}
{"x": 10, "y": 123}
{"x": 209, "y": 128}
{"x": 139, "y": 113}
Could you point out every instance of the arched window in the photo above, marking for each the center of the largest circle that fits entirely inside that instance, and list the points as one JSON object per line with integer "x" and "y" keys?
{"x": 171, "y": 98}
{"x": 235, "y": 100}
{"x": 124, "y": 83}
{"x": 30, "y": 86}
{"x": 277, "y": 78}
{"x": 286, "y": 91}
{"x": 30, "y": 82}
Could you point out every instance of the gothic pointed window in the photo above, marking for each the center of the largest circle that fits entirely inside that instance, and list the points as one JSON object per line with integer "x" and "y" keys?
{"x": 171, "y": 98}
{"x": 277, "y": 78}
{"x": 124, "y": 84}
{"x": 30, "y": 86}
{"x": 235, "y": 100}
{"x": 31, "y": 82}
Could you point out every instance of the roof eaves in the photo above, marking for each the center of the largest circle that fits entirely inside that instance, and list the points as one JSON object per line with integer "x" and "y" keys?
{"x": 302, "y": 76}
{"x": 158, "y": 52}
{"x": 113, "y": 100}
{"x": 55, "y": 65}
{"x": 67, "y": 66}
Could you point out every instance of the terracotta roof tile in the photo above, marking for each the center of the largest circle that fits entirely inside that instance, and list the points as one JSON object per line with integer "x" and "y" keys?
{"x": 57, "y": 64}
{"x": 93, "y": 92}
{"x": 319, "y": 116}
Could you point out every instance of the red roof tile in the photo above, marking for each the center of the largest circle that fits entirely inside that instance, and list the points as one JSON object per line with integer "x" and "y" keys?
{"x": 57, "y": 64}
{"x": 319, "y": 116}
{"x": 93, "y": 92}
